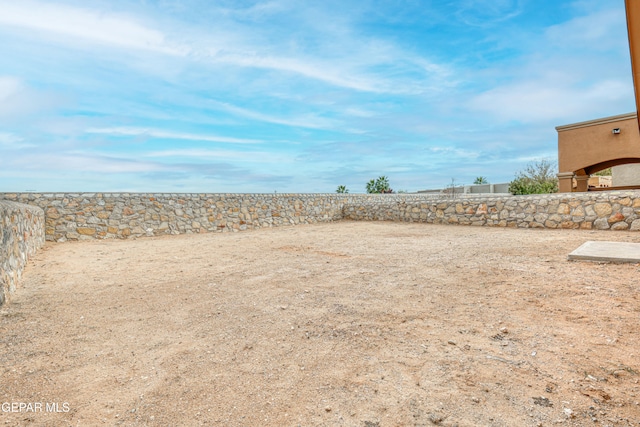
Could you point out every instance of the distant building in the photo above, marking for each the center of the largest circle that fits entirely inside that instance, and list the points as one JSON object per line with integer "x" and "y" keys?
{"x": 502, "y": 188}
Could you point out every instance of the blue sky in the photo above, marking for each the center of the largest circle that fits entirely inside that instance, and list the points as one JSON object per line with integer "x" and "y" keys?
{"x": 297, "y": 95}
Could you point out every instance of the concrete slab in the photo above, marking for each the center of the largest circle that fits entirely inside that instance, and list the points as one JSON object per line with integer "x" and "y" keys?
{"x": 607, "y": 252}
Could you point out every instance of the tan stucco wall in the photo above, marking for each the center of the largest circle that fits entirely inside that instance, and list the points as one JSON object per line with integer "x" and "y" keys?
{"x": 588, "y": 144}
{"x": 588, "y": 147}
{"x": 633, "y": 31}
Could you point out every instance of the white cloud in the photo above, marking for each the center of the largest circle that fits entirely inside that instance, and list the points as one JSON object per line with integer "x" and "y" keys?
{"x": 353, "y": 61}
{"x": 55, "y": 162}
{"x": 322, "y": 71}
{"x": 545, "y": 100}
{"x": 85, "y": 25}
{"x": 197, "y": 153}
{"x": 485, "y": 13}
{"x": 601, "y": 30}
{"x": 9, "y": 86}
{"x": 17, "y": 99}
{"x": 579, "y": 70}
{"x": 9, "y": 141}
{"x": 454, "y": 152}
{"x": 242, "y": 156}
{"x": 155, "y": 133}
{"x": 311, "y": 121}
{"x": 306, "y": 65}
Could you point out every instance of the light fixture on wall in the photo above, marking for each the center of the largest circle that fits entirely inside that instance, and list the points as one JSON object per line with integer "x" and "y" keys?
{"x": 615, "y": 131}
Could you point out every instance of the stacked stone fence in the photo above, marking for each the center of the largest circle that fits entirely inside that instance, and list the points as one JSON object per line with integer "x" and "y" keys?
{"x": 22, "y": 233}
{"x": 85, "y": 216}
{"x": 26, "y": 219}
{"x": 614, "y": 210}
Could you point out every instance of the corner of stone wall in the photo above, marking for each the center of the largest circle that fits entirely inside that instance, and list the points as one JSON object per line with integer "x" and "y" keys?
{"x": 21, "y": 235}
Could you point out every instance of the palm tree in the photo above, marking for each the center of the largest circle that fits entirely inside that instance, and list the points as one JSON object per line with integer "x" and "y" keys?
{"x": 342, "y": 189}
{"x": 371, "y": 186}
{"x": 382, "y": 185}
{"x": 481, "y": 180}
{"x": 379, "y": 186}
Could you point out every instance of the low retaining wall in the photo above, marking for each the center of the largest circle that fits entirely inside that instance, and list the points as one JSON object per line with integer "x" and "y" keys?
{"x": 615, "y": 210}
{"x": 83, "y": 216}
{"x": 22, "y": 233}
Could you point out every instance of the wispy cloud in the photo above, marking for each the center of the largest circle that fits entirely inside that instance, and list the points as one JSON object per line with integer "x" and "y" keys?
{"x": 9, "y": 86}
{"x": 156, "y": 133}
{"x": 294, "y": 96}
{"x": 18, "y": 100}
{"x": 601, "y": 31}
{"x": 312, "y": 121}
{"x": 80, "y": 24}
{"x": 577, "y": 70}
{"x": 360, "y": 63}
{"x": 204, "y": 154}
{"x": 14, "y": 143}
{"x": 453, "y": 152}
{"x": 324, "y": 72}
{"x": 83, "y": 162}
{"x": 541, "y": 100}
{"x": 9, "y": 140}
{"x": 487, "y": 13}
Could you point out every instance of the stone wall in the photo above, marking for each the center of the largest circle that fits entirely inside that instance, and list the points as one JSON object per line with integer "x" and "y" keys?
{"x": 615, "y": 210}
{"x": 22, "y": 233}
{"x": 82, "y": 216}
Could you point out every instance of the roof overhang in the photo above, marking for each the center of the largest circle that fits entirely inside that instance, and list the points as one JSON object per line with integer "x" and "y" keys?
{"x": 596, "y": 122}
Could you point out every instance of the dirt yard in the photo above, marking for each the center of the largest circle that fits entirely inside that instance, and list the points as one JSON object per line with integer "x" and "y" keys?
{"x": 343, "y": 324}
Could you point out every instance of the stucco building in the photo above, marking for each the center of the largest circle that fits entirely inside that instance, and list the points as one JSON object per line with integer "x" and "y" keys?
{"x": 588, "y": 147}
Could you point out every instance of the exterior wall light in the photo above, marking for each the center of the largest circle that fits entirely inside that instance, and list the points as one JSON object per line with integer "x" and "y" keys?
{"x": 615, "y": 131}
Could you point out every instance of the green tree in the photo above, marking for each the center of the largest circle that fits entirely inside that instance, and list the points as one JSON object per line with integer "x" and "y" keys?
{"x": 604, "y": 172}
{"x": 342, "y": 189}
{"x": 379, "y": 186}
{"x": 539, "y": 177}
{"x": 481, "y": 180}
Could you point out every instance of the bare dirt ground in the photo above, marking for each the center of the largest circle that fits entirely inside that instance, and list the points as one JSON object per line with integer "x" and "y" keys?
{"x": 343, "y": 324}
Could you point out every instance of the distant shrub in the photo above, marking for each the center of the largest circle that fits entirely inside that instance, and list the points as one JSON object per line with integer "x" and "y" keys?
{"x": 538, "y": 177}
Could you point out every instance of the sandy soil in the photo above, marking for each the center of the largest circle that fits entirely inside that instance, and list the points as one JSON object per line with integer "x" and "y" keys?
{"x": 344, "y": 324}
